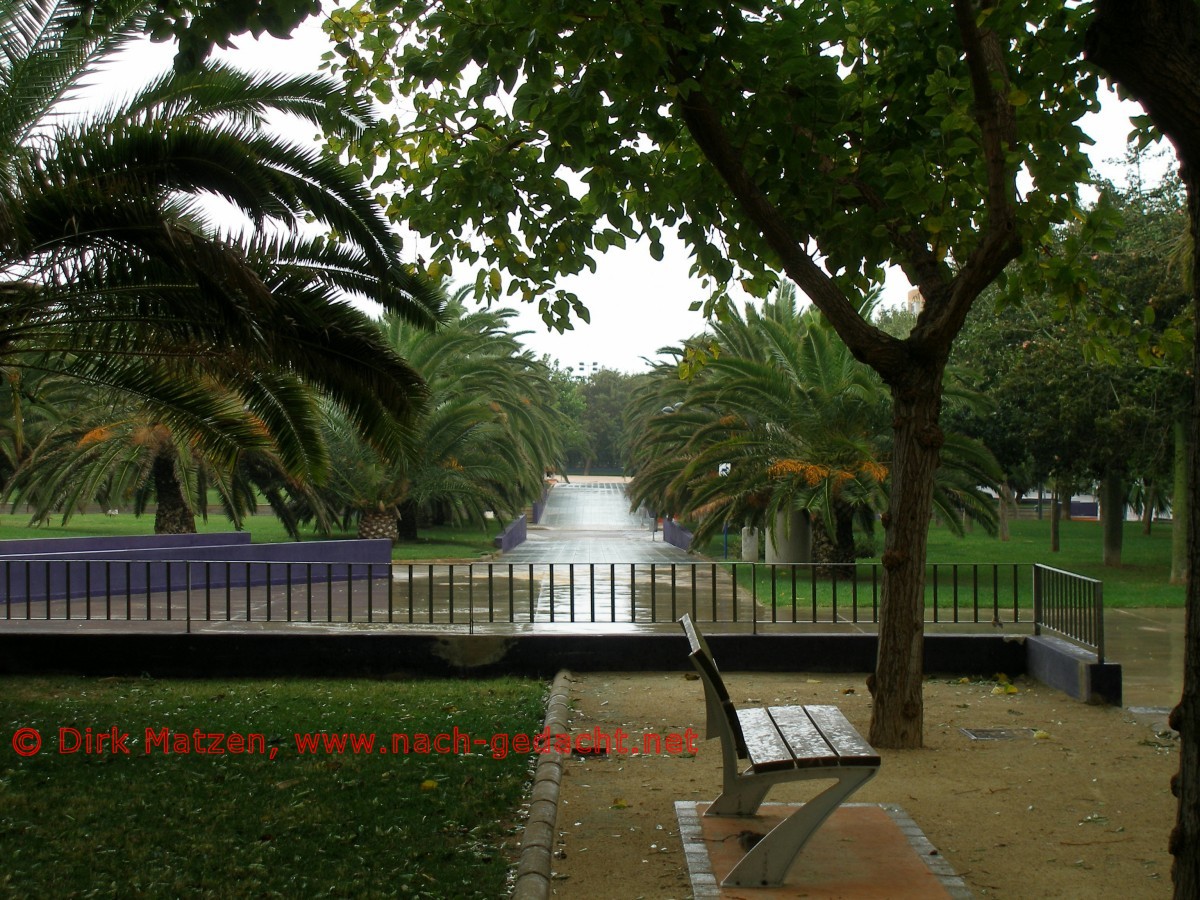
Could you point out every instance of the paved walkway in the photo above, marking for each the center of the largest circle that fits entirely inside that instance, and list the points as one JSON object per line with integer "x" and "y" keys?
{"x": 588, "y": 524}
{"x": 589, "y": 521}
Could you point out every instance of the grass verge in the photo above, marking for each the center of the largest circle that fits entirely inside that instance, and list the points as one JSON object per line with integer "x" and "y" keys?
{"x": 279, "y": 823}
{"x": 1140, "y": 581}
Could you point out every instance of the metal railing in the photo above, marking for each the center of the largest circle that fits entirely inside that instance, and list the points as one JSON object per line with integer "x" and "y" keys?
{"x": 494, "y": 593}
{"x": 1070, "y": 606}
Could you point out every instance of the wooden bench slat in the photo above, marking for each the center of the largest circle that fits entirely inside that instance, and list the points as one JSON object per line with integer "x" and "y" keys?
{"x": 842, "y": 736}
{"x": 765, "y": 746}
{"x": 807, "y": 743}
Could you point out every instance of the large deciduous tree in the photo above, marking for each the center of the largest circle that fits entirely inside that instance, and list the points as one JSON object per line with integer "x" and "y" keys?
{"x": 822, "y": 140}
{"x": 1151, "y": 48}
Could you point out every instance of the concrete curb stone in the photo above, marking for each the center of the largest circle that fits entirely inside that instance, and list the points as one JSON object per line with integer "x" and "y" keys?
{"x": 533, "y": 867}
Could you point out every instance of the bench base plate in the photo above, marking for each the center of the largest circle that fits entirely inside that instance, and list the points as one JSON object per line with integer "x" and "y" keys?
{"x": 862, "y": 850}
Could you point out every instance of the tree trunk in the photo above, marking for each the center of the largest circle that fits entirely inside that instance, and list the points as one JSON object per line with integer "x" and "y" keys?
{"x": 1006, "y": 504}
{"x": 1148, "y": 504}
{"x": 1112, "y": 517}
{"x": 1152, "y": 49}
{"x": 172, "y": 515}
{"x": 1055, "y": 520}
{"x": 898, "y": 712}
{"x": 1185, "y": 718}
{"x": 1180, "y": 497}
{"x": 378, "y": 523}
{"x": 406, "y": 521}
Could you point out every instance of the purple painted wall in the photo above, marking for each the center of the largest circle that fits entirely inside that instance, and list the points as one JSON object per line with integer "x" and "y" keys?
{"x": 674, "y": 534}
{"x": 55, "y": 576}
{"x": 511, "y": 536}
{"x": 28, "y": 547}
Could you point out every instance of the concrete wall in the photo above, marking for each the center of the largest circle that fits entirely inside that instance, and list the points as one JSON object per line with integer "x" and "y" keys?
{"x": 1073, "y": 670}
{"x": 278, "y": 654}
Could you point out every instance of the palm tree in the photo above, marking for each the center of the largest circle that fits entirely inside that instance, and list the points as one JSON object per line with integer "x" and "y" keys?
{"x": 484, "y": 443}
{"x": 800, "y": 424}
{"x": 111, "y": 274}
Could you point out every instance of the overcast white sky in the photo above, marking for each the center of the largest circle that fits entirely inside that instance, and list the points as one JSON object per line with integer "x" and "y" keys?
{"x": 637, "y": 305}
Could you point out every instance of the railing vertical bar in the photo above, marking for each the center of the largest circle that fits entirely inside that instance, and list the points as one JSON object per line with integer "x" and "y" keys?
{"x": 854, "y": 594}
{"x": 551, "y": 586}
{"x": 512, "y": 608}
{"x": 391, "y": 591}
{"x": 288, "y": 585}
{"x": 370, "y": 592}
{"x": 694, "y": 613}
{"x": 975, "y": 593}
{"x": 632, "y": 594}
{"x": 308, "y": 591}
{"x": 754, "y": 598}
{"x": 532, "y": 612}
{"x": 328, "y": 592}
{"x": 612, "y": 592}
{"x": 733, "y": 573}
{"x": 208, "y": 591}
{"x": 812, "y": 591}
{"x": 450, "y": 580}
{"x": 1016, "y": 603}
{"x": 674, "y": 615}
{"x": 491, "y": 594}
{"x": 431, "y": 592}
{"x": 653, "y": 595}
{"x": 954, "y": 591}
{"x": 794, "y": 567}
{"x": 592, "y": 592}
{"x": 228, "y": 591}
{"x": 695, "y": 591}
{"x": 774, "y": 592}
{"x": 128, "y": 590}
{"x": 66, "y": 582}
{"x": 935, "y": 592}
{"x": 833, "y": 593}
{"x": 571, "y": 587}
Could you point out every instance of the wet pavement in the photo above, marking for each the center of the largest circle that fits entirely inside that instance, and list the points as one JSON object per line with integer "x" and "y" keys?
{"x": 589, "y": 521}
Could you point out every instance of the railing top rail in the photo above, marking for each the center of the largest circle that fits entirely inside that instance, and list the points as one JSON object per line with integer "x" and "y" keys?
{"x": 1043, "y": 567}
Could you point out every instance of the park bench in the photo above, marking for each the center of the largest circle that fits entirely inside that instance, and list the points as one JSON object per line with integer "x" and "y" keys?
{"x": 777, "y": 744}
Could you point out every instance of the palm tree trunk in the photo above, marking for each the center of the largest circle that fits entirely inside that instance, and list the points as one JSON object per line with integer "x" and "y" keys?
{"x": 172, "y": 515}
{"x": 378, "y": 523}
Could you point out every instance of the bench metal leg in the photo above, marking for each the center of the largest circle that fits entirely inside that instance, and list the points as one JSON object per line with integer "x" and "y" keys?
{"x": 768, "y": 861}
{"x": 741, "y": 798}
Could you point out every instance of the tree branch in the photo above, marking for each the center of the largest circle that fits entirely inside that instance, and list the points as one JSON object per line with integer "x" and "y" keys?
{"x": 703, "y": 122}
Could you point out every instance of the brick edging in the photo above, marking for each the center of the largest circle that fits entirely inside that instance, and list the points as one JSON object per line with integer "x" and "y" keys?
{"x": 537, "y": 845}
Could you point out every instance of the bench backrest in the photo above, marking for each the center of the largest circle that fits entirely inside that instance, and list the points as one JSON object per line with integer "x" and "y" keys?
{"x": 716, "y": 697}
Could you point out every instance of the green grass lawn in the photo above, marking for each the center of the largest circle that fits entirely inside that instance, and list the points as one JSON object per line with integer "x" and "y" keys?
{"x": 366, "y": 824}
{"x": 1142, "y": 579}
{"x": 437, "y": 542}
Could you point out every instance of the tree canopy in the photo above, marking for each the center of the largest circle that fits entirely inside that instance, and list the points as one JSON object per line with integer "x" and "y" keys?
{"x": 821, "y": 140}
